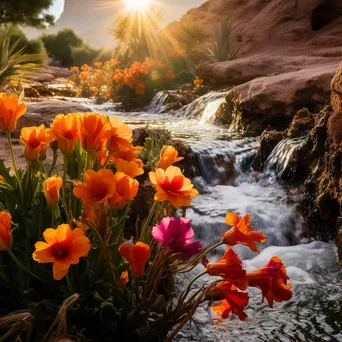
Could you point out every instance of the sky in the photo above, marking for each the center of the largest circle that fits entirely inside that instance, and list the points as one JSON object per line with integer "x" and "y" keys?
{"x": 57, "y": 8}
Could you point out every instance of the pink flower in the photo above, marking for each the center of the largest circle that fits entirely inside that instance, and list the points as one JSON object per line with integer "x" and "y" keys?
{"x": 175, "y": 235}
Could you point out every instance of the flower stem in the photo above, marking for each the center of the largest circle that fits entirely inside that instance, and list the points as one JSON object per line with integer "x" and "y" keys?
{"x": 54, "y": 161}
{"x": 71, "y": 289}
{"x": 148, "y": 221}
{"x": 15, "y": 167}
{"x": 21, "y": 265}
{"x": 65, "y": 171}
{"x": 107, "y": 160}
{"x": 194, "y": 279}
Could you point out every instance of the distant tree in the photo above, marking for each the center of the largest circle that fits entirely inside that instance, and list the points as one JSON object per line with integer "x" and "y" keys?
{"x": 88, "y": 55}
{"x": 59, "y": 46}
{"x": 26, "y": 12}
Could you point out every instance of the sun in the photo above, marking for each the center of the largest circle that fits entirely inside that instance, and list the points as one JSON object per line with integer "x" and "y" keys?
{"x": 137, "y": 4}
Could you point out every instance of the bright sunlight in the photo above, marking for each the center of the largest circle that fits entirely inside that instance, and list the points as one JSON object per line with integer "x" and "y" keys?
{"x": 137, "y": 4}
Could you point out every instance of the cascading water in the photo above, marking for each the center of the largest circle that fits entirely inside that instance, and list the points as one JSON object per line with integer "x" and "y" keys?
{"x": 226, "y": 159}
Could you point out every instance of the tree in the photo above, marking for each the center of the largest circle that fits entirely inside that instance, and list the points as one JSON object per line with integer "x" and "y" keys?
{"x": 26, "y": 12}
{"x": 59, "y": 46}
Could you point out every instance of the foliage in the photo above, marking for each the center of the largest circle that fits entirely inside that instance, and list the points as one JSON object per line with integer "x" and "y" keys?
{"x": 59, "y": 46}
{"x": 222, "y": 49}
{"x": 27, "y": 13}
{"x": 34, "y": 46}
{"x": 135, "y": 85}
{"x": 112, "y": 272}
{"x": 16, "y": 65}
{"x": 85, "y": 54}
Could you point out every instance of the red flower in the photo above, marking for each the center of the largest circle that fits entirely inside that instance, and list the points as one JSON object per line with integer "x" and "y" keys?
{"x": 229, "y": 267}
{"x": 241, "y": 232}
{"x": 231, "y": 300}
{"x": 271, "y": 279}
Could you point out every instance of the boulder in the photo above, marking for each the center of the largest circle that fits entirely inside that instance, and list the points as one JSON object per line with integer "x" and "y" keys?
{"x": 301, "y": 124}
{"x": 271, "y": 102}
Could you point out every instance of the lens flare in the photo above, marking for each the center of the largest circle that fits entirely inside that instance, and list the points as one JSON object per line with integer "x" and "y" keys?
{"x": 137, "y": 4}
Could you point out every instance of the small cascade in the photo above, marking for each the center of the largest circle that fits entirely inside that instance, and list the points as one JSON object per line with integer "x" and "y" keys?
{"x": 205, "y": 107}
{"x": 280, "y": 157}
{"x": 158, "y": 103}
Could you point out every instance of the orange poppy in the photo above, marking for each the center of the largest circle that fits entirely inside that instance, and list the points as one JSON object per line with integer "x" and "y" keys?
{"x": 231, "y": 300}
{"x": 123, "y": 279}
{"x": 10, "y": 111}
{"x": 63, "y": 247}
{"x": 51, "y": 187}
{"x": 94, "y": 129}
{"x": 131, "y": 169}
{"x": 137, "y": 257}
{"x": 98, "y": 186}
{"x": 271, "y": 279}
{"x": 6, "y": 238}
{"x": 119, "y": 136}
{"x": 241, "y": 232}
{"x": 198, "y": 82}
{"x": 36, "y": 139}
{"x": 172, "y": 186}
{"x": 127, "y": 155}
{"x": 64, "y": 129}
{"x": 126, "y": 189}
{"x": 2, "y": 179}
{"x": 168, "y": 156}
{"x": 229, "y": 267}
{"x": 140, "y": 88}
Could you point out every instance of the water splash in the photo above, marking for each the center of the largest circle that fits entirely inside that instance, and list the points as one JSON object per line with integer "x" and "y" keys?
{"x": 158, "y": 103}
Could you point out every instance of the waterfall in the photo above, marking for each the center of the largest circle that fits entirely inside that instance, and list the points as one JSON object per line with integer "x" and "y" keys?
{"x": 204, "y": 108}
{"x": 279, "y": 159}
{"x": 158, "y": 103}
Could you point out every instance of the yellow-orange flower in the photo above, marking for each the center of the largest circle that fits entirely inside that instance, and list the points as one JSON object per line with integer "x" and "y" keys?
{"x": 2, "y": 179}
{"x": 94, "y": 129}
{"x": 126, "y": 188}
{"x": 241, "y": 233}
{"x": 137, "y": 257}
{"x": 172, "y": 186}
{"x": 168, "y": 156}
{"x": 6, "y": 238}
{"x": 51, "y": 187}
{"x": 63, "y": 247}
{"x": 64, "y": 129}
{"x": 98, "y": 187}
{"x": 131, "y": 169}
{"x": 119, "y": 136}
{"x": 35, "y": 139}
{"x": 10, "y": 111}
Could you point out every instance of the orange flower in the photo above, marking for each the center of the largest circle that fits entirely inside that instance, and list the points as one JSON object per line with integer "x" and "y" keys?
{"x": 137, "y": 257}
{"x": 93, "y": 129}
{"x": 126, "y": 189}
{"x": 229, "y": 267}
{"x": 140, "y": 88}
{"x": 241, "y": 232}
{"x": 119, "y": 136}
{"x": 98, "y": 187}
{"x": 131, "y": 169}
{"x": 172, "y": 186}
{"x": 36, "y": 139}
{"x": 271, "y": 279}
{"x": 231, "y": 300}
{"x": 198, "y": 82}
{"x": 123, "y": 279}
{"x": 51, "y": 188}
{"x": 10, "y": 111}
{"x": 130, "y": 155}
{"x": 63, "y": 247}
{"x": 2, "y": 179}
{"x": 75, "y": 68}
{"x": 168, "y": 156}
{"x": 6, "y": 238}
{"x": 65, "y": 131}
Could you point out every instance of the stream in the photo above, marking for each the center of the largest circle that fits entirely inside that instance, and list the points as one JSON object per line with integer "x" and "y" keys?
{"x": 314, "y": 313}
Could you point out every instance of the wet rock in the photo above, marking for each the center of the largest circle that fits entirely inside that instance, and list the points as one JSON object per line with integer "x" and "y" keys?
{"x": 189, "y": 163}
{"x": 30, "y": 91}
{"x": 139, "y": 136}
{"x": 301, "y": 124}
{"x": 201, "y": 185}
{"x": 268, "y": 141}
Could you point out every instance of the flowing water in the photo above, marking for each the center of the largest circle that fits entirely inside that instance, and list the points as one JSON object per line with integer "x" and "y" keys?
{"x": 226, "y": 164}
